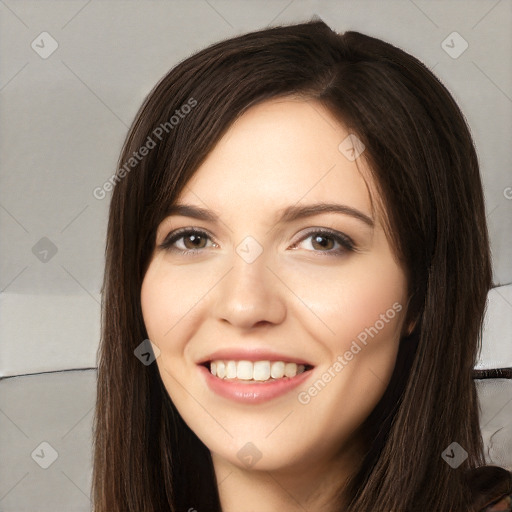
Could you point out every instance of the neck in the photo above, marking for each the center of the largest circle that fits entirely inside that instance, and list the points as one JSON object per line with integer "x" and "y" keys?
{"x": 311, "y": 486}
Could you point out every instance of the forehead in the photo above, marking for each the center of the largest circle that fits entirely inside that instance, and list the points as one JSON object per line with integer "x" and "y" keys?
{"x": 278, "y": 153}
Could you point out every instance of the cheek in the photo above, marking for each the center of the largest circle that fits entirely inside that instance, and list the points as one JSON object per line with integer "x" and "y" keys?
{"x": 168, "y": 315}
{"x": 361, "y": 356}
{"x": 347, "y": 302}
{"x": 373, "y": 312}
{"x": 168, "y": 298}
{"x": 154, "y": 305}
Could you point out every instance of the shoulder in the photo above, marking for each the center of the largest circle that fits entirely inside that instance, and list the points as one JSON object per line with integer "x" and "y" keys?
{"x": 502, "y": 505}
{"x": 491, "y": 488}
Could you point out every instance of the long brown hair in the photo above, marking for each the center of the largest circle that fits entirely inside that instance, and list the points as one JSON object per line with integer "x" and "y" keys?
{"x": 423, "y": 162}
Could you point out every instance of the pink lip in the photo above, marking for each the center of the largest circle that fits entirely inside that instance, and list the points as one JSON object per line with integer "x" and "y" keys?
{"x": 238, "y": 354}
{"x": 252, "y": 393}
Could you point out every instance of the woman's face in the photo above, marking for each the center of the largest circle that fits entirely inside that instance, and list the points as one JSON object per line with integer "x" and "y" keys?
{"x": 271, "y": 280}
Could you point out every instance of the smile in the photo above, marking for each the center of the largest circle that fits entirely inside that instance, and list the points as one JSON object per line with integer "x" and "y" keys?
{"x": 253, "y": 382}
{"x": 255, "y": 371}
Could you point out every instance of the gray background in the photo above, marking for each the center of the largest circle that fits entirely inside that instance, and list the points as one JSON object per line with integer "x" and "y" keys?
{"x": 64, "y": 117}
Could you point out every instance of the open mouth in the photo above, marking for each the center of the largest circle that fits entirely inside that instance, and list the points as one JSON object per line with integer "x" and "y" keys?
{"x": 255, "y": 371}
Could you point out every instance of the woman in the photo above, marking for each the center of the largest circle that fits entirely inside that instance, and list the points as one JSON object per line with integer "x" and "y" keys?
{"x": 298, "y": 227}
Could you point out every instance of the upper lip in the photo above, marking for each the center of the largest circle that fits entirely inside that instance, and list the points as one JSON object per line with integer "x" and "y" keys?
{"x": 254, "y": 354}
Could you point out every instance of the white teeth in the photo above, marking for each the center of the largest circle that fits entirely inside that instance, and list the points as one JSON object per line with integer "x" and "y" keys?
{"x": 290, "y": 369}
{"x": 231, "y": 370}
{"x": 221, "y": 369}
{"x": 261, "y": 370}
{"x": 277, "y": 369}
{"x": 244, "y": 369}
{"x": 257, "y": 371}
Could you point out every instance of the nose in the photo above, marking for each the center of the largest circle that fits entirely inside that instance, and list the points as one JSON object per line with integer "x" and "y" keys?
{"x": 250, "y": 295}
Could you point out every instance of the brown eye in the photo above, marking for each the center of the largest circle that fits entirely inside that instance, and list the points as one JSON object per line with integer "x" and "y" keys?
{"x": 196, "y": 241}
{"x": 328, "y": 243}
{"x": 186, "y": 241}
{"x": 322, "y": 242}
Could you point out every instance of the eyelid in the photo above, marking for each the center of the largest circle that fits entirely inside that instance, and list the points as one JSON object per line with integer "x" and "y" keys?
{"x": 345, "y": 241}
{"x": 176, "y": 234}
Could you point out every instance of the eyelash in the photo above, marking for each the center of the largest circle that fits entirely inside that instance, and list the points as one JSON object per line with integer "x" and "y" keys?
{"x": 343, "y": 240}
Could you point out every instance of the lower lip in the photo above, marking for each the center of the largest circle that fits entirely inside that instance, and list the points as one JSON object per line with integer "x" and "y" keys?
{"x": 252, "y": 393}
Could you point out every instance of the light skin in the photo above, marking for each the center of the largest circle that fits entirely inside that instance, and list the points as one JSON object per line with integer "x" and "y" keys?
{"x": 302, "y": 295}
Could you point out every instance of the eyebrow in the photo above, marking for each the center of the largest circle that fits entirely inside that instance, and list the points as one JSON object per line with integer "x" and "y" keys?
{"x": 288, "y": 214}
